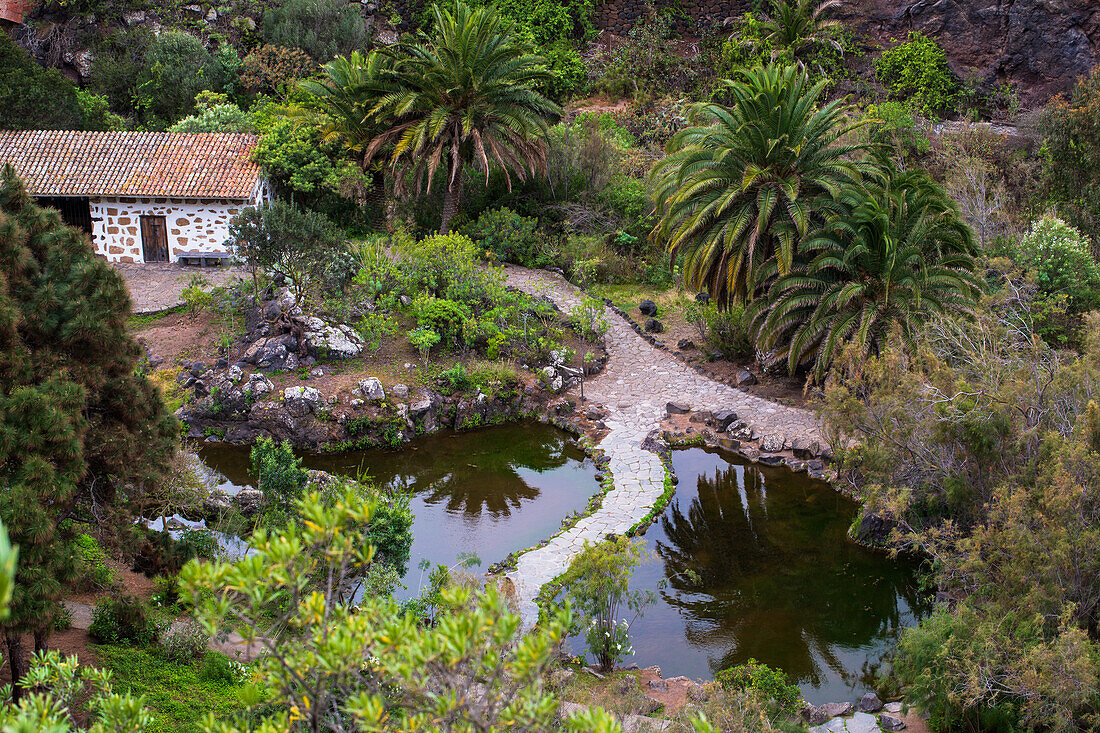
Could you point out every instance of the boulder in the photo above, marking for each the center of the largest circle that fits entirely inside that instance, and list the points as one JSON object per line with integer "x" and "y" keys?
{"x": 685, "y": 344}
{"x": 814, "y": 714}
{"x": 248, "y": 501}
{"x": 862, "y": 723}
{"x": 702, "y": 298}
{"x": 892, "y": 707}
{"x": 371, "y": 389}
{"x": 400, "y": 391}
{"x": 647, "y": 307}
{"x": 744, "y": 378}
{"x": 552, "y": 379}
{"x": 334, "y": 342}
{"x": 703, "y": 416}
{"x": 870, "y": 703}
{"x": 652, "y": 325}
{"x": 890, "y": 722}
{"x": 838, "y": 709}
{"x": 677, "y": 408}
{"x": 234, "y": 374}
{"x": 659, "y": 685}
{"x": 259, "y": 385}
{"x": 772, "y": 443}
{"x": 723, "y": 419}
{"x": 310, "y": 397}
{"x": 805, "y": 448}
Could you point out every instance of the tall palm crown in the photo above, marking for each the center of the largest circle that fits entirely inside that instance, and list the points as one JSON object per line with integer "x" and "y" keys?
{"x": 351, "y": 87}
{"x": 466, "y": 95}
{"x": 740, "y": 188}
{"x": 891, "y": 255}
{"x": 800, "y": 27}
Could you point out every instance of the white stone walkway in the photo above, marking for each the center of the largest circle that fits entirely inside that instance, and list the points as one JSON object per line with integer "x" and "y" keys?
{"x": 635, "y": 386}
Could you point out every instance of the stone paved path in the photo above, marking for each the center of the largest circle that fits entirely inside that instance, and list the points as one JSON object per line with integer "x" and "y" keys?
{"x": 155, "y": 286}
{"x": 635, "y": 387}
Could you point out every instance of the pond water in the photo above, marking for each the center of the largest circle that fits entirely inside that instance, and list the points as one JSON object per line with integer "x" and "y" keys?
{"x": 488, "y": 492}
{"x": 756, "y": 562}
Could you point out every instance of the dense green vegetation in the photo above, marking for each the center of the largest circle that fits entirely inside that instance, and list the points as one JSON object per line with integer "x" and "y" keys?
{"x": 934, "y": 284}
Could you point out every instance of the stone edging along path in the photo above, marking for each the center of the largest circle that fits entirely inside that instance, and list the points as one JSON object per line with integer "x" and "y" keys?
{"x": 635, "y": 387}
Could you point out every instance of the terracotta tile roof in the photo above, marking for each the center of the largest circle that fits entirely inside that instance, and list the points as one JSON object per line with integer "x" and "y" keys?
{"x": 14, "y": 10}
{"x": 174, "y": 165}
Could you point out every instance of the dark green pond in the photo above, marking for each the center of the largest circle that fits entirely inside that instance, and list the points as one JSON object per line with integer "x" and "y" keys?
{"x": 756, "y": 563}
{"x": 489, "y": 492}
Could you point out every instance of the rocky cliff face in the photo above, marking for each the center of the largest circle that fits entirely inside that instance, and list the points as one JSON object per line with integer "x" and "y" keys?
{"x": 1041, "y": 46}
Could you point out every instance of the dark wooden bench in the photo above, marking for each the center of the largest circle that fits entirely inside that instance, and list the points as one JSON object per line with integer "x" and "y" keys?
{"x": 204, "y": 259}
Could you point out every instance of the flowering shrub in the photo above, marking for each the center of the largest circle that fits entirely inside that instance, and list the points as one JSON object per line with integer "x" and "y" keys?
{"x": 597, "y": 586}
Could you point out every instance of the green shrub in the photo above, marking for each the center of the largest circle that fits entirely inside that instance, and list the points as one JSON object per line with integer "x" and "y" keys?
{"x": 423, "y": 339}
{"x": 222, "y": 670}
{"x": 726, "y": 332}
{"x": 443, "y": 316}
{"x": 456, "y": 379}
{"x": 1061, "y": 258}
{"x": 917, "y": 70}
{"x": 184, "y": 642}
{"x": 33, "y": 98}
{"x": 764, "y": 682}
{"x": 175, "y": 68}
{"x": 122, "y": 619}
{"x": 92, "y": 562}
{"x": 509, "y": 236}
{"x": 590, "y": 319}
{"x": 198, "y": 543}
{"x": 322, "y": 28}
{"x": 278, "y": 474}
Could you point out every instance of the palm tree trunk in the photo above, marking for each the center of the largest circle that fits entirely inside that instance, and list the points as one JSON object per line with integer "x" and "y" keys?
{"x": 452, "y": 198}
{"x": 375, "y": 197}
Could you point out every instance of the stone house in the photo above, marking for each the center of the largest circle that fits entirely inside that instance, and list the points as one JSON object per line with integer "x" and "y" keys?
{"x": 141, "y": 196}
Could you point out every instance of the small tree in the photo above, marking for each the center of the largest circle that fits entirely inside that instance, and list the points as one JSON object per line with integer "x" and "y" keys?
{"x": 274, "y": 69}
{"x": 423, "y": 339}
{"x": 597, "y": 586}
{"x": 373, "y": 667}
{"x": 283, "y": 238}
{"x": 278, "y": 474}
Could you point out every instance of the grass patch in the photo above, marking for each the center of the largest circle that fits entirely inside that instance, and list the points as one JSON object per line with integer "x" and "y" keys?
{"x": 141, "y": 320}
{"x": 178, "y": 697}
{"x": 171, "y": 392}
{"x": 628, "y": 296}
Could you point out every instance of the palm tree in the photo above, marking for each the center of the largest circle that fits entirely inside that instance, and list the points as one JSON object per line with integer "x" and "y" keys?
{"x": 891, "y": 256}
{"x": 740, "y": 188}
{"x": 465, "y": 96}
{"x": 350, "y": 88}
{"x": 798, "y": 27}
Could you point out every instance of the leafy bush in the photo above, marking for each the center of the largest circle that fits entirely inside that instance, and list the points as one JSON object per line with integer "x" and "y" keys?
{"x": 33, "y": 98}
{"x": 221, "y": 669}
{"x": 215, "y": 116}
{"x": 764, "y": 682}
{"x": 1071, "y": 153}
{"x": 322, "y": 28}
{"x": 646, "y": 64}
{"x": 443, "y": 316}
{"x": 590, "y": 318}
{"x": 184, "y": 642}
{"x": 176, "y": 66}
{"x": 198, "y": 543}
{"x": 375, "y": 329}
{"x": 122, "y": 619}
{"x": 597, "y": 586}
{"x": 509, "y": 236}
{"x": 1062, "y": 261}
{"x": 92, "y": 561}
{"x": 726, "y": 332}
{"x": 286, "y": 239}
{"x": 423, "y": 339}
{"x": 278, "y": 474}
{"x": 917, "y": 70}
{"x": 272, "y": 69}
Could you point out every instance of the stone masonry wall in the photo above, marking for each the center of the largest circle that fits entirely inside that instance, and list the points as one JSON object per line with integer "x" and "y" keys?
{"x": 193, "y": 226}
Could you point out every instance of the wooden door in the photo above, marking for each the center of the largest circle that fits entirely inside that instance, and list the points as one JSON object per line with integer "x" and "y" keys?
{"x": 154, "y": 239}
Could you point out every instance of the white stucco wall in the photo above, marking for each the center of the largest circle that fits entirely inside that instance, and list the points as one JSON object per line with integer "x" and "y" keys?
{"x": 192, "y": 226}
